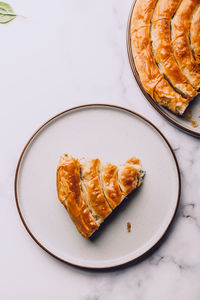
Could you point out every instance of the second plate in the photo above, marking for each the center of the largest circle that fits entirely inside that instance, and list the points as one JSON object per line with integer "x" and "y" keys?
{"x": 179, "y": 121}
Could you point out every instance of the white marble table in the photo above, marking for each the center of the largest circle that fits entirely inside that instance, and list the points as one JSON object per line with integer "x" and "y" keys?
{"x": 66, "y": 53}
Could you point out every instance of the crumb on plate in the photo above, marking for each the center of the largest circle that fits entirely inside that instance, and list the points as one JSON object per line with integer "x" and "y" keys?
{"x": 128, "y": 226}
{"x": 194, "y": 123}
{"x": 188, "y": 116}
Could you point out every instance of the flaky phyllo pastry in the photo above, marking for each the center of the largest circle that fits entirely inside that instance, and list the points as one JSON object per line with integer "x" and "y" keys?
{"x": 90, "y": 190}
{"x": 165, "y": 40}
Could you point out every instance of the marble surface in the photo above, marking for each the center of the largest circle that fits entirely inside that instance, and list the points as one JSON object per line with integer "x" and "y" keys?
{"x": 62, "y": 54}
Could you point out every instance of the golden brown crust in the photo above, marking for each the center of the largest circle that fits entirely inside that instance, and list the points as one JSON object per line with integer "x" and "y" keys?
{"x": 180, "y": 38}
{"x": 130, "y": 175}
{"x": 150, "y": 75}
{"x": 111, "y": 186}
{"x": 133, "y": 161}
{"x": 162, "y": 47}
{"x": 129, "y": 178}
{"x": 69, "y": 193}
{"x": 94, "y": 195}
{"x": 195, "y": 34}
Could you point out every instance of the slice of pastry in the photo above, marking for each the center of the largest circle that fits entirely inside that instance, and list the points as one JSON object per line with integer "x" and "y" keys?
{"x": 71, "y": 196}
{"x": 180, "y": 37}
{"x": 90, "y": 191}
{"x": 162, "y": 47}
{"x": 119, "y": 181}
{"x": 151, "y": 77}
{"x": 195, "y": 34}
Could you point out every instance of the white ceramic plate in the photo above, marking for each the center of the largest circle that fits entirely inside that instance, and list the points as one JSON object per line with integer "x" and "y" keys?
{"x": 181, "y": 122}
{"x": 111, "y": 134}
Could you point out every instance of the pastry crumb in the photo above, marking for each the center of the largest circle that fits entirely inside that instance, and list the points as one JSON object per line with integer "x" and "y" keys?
{"x": 188, "y": 116}
{"x": 128, "y": 226}
{"x": 194, "y": 123}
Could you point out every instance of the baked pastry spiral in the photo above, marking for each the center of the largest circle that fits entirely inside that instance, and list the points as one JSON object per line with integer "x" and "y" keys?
{"x": 162, "y": 53}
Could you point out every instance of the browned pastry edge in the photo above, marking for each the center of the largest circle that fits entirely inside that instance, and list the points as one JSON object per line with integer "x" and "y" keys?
{"x": 93, "y": 192}
{"x": 162, "y": 47}
{"x": 180, "y": 39}
{"x": 70, "y": 195}
{"x": 110, "y": 184}
{"x": 195, "y": 34}
{"x": 129, "y": 178}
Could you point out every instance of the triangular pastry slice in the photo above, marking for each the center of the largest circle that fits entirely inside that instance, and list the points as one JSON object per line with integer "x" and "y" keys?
{"x": 90, "y": 191}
